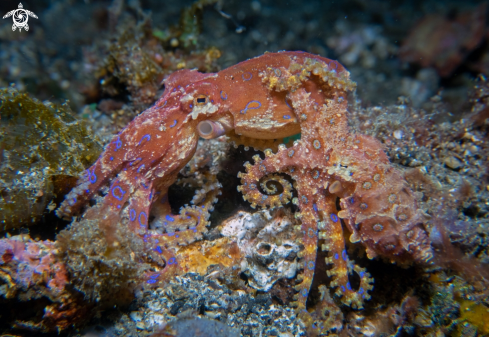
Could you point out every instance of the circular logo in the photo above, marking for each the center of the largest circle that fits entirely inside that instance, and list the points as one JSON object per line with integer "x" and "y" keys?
{"x": 20, "y": 17}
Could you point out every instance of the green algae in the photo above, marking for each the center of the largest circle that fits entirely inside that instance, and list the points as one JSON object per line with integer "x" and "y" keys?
{"x": 38, "y": 141}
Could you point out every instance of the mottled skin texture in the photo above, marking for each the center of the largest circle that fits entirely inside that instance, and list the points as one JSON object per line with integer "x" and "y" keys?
{"x": 269, "y": 97}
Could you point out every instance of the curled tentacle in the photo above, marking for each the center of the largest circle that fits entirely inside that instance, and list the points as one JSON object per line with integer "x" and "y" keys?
{"x": 270, "y": 198}
{"x": 191, "y": 223}
{"x": 342, "y": 267}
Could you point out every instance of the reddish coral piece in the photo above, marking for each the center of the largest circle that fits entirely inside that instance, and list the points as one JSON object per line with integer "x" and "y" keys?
{"x": 31, "y": 270}
{"x": 443, "y": 42}
{"x": 266, "y": 98}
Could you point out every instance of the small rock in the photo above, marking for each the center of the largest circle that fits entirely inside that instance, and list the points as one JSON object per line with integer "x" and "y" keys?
{"x": 141, "y": 325}
{"x": 136, "y": 316}
{"x": 453, "y": 162}
{"x": 398, "y": 134}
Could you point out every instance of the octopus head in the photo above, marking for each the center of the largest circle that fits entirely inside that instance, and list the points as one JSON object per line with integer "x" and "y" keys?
{"x": 202, "y": 102}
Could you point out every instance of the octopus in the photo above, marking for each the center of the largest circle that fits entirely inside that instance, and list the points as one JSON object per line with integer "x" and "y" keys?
{"x": 345, "y": 185}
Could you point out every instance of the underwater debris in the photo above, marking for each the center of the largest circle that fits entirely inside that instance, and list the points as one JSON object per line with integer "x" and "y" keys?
{"x": 192, "y": 294}
{"x": 268, "y": 243}
{"x": 39, "y": 141}
{"x": 443, "y": 42}
{"x": 202, "y": 327}
{"x": 137, "y": 62}
{"x": 105, "y": 263}
{"x": 34, "y": 279}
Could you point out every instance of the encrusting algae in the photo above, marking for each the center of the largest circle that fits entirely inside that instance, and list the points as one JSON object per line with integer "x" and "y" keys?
{"x": 40, "y": 142}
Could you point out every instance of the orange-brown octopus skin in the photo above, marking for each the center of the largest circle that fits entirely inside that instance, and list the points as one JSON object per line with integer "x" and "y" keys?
{"x": 263, "y": 99}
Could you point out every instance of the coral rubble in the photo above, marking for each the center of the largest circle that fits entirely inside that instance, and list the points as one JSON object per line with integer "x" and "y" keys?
{"x": 39, "y": 142}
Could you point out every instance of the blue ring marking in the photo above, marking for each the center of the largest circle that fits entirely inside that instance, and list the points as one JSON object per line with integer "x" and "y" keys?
{"x": 316, "y": 174}
{"x": 87, "y": 191}
{"x": 343, "y": 288}
{"x": 252, "y": 108}
{"x": 111, "y": 158}
{"x": 334, "y": 217}
{"x": 176, "y": 236}
{"x": 174, "y": 123}
{"x": 264, "y": 197}
{"x": 132, "y": 214}
{"x": 311, "y": 233}
{"x": 147, "y": 136}
{"x": 348, "y": 286}
{"x": 246, "y": 79}
{"x": 191, "y": 106}
{"x": 139, "y": 169}
{"x": 143, "y": 184}
{"x": 158, "y": 249}
{"x": 165, "y": 223}
{"x": 304, "y": 292}
{"x": 360, "y": 291}
{"x": 122, "y": 192}
{"x": 336, "y": 256}
{"x": 72, "y": 202}
{"x": 151, "y": 281}
{"x": 118, "y": 206}
{"x": 194, "y": 229}
{"x": 156, "y": 241}
{"x": 150, "y": 196}
{"x": 352, "y": 200}
{"x": 169, "y": 218}
{"x": 343, "y": 255}
{"x": 310, "y": 265}
{"x": 225, "y": 97}
{"x": 118, "y": 143}
{"x": 170, "y": 234}
{"x": 288, "y": 104}
{"x": 145, "y": 220}
{"x": 154, "y": 276}
{"x": 286, "y": 117}
{"x": 362, "y": 274}
{"x": 92, "y": 177}
{"x": 172, "y": 261}
{"x": 315, "y": 207}
{"x": 179, "y": 86}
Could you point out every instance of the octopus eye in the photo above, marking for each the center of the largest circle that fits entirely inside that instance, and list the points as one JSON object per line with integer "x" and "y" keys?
{"x": 201, "y": 100}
